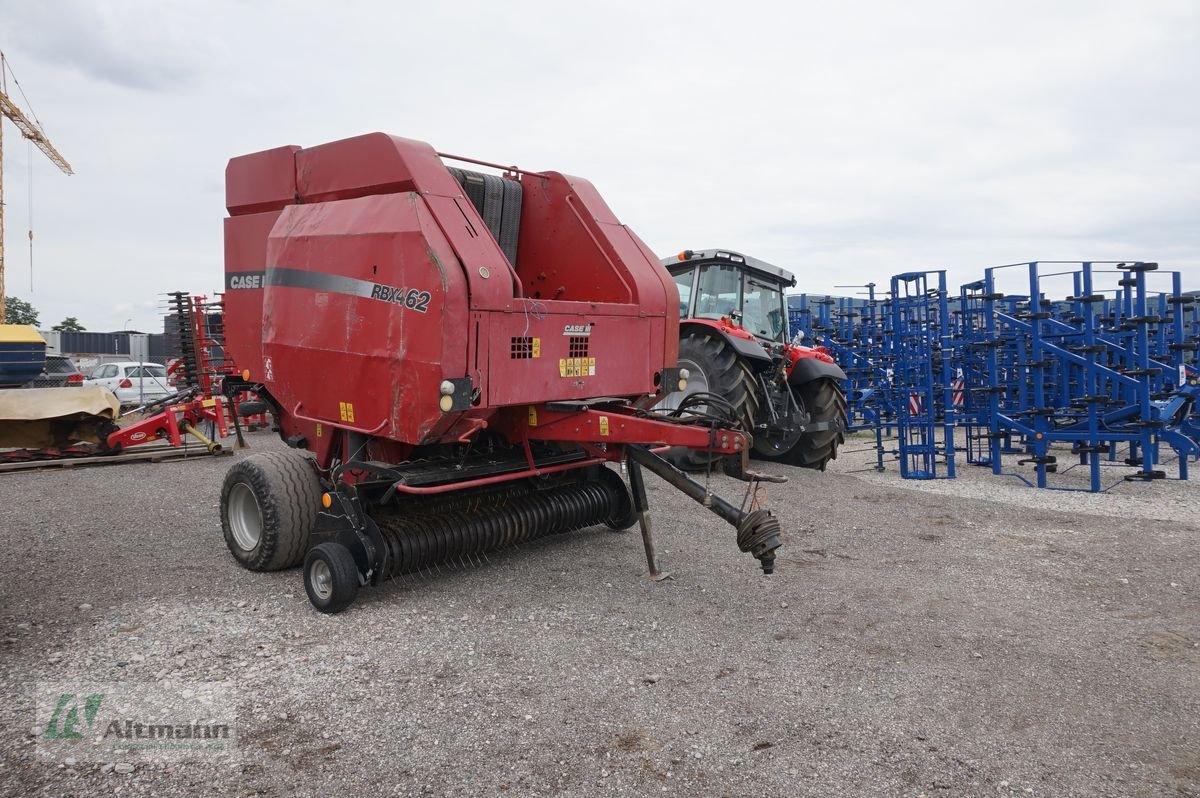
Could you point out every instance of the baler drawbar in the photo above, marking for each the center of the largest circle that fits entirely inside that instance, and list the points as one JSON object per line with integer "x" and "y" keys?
{"x": 464, "y": 356}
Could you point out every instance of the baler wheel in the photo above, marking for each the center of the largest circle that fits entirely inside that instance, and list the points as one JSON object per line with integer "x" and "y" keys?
{"x": 330, "y": 577}
{"x": 716, "y": 368}
{"x": 825, "y": 401}
{"x": 269, "y": 506}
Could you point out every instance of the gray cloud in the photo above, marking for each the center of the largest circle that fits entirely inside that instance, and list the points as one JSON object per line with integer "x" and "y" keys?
{"x": 846, "y": 142}
{"x": 127, "y": 44}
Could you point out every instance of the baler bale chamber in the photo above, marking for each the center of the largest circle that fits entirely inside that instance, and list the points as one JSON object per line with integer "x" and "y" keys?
{"x": 462, "y": 355}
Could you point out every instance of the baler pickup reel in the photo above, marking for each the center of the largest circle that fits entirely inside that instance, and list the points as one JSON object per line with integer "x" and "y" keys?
{"x": 466, "y": 356}
{"x": 395, "y": 533}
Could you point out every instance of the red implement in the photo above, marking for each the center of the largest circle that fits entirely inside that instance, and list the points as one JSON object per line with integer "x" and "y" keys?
{"x": 425, "y": 329}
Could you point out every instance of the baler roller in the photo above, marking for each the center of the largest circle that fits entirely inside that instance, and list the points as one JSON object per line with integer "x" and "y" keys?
{"x": 413, "y": 543}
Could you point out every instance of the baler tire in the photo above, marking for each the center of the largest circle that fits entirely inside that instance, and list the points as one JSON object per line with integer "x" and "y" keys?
{"x": 825, "y": 401}
{"x": 330, "y": 577}
{"x": 283, "y": 489}
{"x": 727, "y": 375}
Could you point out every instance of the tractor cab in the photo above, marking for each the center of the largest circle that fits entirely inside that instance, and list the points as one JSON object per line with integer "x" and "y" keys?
{"x": 742, "y": 291}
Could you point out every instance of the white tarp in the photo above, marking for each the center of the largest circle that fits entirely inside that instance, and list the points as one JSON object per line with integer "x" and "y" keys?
{"x": 37, "y": 418}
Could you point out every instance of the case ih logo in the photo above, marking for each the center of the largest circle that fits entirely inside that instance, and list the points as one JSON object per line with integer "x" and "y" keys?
{"x": 577, "y": 329}
{"x": 237, "y": 280}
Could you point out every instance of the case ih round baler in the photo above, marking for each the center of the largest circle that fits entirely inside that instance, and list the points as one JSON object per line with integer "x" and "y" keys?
{"x": 463, "y": 354}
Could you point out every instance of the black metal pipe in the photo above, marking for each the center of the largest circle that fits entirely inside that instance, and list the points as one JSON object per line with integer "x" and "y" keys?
{"x": 680, "y": 480}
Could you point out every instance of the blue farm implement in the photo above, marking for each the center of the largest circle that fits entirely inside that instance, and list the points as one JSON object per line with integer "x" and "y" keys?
{"x": 1107, "y": 372}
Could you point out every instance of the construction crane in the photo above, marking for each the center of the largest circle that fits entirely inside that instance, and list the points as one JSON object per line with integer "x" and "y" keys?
{"x": 34, "y": 133}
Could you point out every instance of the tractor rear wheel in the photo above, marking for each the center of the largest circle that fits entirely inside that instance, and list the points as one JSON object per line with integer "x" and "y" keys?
{"x": 269, "y": 506}
{"x": 715, "y": 368}
{"x": 825, "y": 401}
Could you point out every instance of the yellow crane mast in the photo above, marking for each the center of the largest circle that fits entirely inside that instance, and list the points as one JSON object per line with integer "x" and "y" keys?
{"x": 31, "y": 131}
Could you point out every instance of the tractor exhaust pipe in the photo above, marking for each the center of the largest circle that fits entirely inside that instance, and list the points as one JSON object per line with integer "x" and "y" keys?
{"x": 758, "y": 531}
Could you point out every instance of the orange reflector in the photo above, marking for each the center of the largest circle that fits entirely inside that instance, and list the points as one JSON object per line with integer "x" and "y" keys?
{"x": 246, "y": 375}
{"x": 326, "y": 500}
{"x": 1039, "y": 436}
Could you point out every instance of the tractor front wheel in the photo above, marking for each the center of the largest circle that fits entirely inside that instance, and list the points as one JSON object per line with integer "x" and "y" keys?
{"x": 825, "y": 401}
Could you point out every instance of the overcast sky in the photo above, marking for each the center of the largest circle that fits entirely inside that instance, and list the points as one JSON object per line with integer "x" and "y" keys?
{"x": 843, "y": 141}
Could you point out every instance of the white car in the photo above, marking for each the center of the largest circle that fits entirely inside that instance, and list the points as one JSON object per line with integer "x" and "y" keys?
{"x": 134, "y": 384}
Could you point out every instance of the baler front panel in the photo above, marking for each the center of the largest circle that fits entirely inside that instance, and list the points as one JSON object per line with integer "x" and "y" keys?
{"x": 245, "y": 275}
{"x": 364, "y": 314}
{"x": 540, "y": 357}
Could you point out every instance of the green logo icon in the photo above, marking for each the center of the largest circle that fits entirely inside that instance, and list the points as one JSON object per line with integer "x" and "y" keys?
{"x": 65, "y": 730}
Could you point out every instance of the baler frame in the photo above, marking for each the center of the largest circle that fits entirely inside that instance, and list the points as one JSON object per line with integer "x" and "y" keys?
{"x": 487, "y": 405}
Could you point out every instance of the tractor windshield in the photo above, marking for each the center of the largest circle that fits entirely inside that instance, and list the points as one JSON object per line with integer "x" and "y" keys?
{"x": 762, "y": 309}
{"x": 719, "y": 291}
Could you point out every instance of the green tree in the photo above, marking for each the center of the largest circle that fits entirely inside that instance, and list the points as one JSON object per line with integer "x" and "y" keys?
{"x": 69, "y": 324}
{"x": 18, "y": 311}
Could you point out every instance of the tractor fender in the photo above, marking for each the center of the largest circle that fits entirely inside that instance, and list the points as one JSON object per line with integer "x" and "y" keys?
{"x": 747, "y": 347}
{"x": 807, "y": 369}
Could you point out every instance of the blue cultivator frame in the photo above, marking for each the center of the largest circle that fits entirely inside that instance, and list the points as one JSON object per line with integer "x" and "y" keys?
{"x": 1105, "y": 370}
{"x": 1079, "y": 371}
{"x": 922, "y": 356}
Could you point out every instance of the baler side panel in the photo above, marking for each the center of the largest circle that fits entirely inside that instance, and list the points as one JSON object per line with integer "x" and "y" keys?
{"x": 364, "y": 314}
{"x": 668, "y": 332}
{"x": 564, "y": 251}
{"x": 376, "y": 164}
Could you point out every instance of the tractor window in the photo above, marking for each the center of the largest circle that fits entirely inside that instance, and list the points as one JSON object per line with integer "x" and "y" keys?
{"x": 762, "y": 309}
{"x": 684, "y": 283}
{"x": 719, "y": 291}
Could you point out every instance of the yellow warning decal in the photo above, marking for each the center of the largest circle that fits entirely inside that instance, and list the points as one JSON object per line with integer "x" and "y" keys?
{"x": 209, "y": 403}
{"x": 577, "y": 367}
{"x": 604, "y": 426}
{"x": 319, "y": 430}
{"x": 537, "y": 347}
{"x": 532, "y": 416}
{"x": 346, "y": 412}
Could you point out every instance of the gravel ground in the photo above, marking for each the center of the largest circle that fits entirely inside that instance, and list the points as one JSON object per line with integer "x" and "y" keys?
{"x": 973, "y": 637}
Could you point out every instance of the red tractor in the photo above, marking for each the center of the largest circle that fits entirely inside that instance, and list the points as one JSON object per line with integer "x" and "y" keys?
{"x": 733, "y": 340}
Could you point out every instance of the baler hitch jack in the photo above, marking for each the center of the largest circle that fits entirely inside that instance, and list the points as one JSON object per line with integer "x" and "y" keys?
{"x": 758, "y": 530}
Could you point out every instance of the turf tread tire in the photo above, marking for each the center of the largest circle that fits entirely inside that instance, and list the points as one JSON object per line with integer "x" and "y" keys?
{"x": 288, "y": 491}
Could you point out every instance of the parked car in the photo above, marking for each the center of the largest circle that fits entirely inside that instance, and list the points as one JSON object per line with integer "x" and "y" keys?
{"x": 60, "y": 372}
{"x": 134, "y": 383}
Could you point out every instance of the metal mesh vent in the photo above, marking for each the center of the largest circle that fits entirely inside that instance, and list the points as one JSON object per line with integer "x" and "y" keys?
{"x": 578, "y": 346}
{"x": 522, "y": 348}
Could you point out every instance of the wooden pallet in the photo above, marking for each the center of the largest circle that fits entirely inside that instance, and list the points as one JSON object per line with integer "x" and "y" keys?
{"x": 149, "y": 454}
